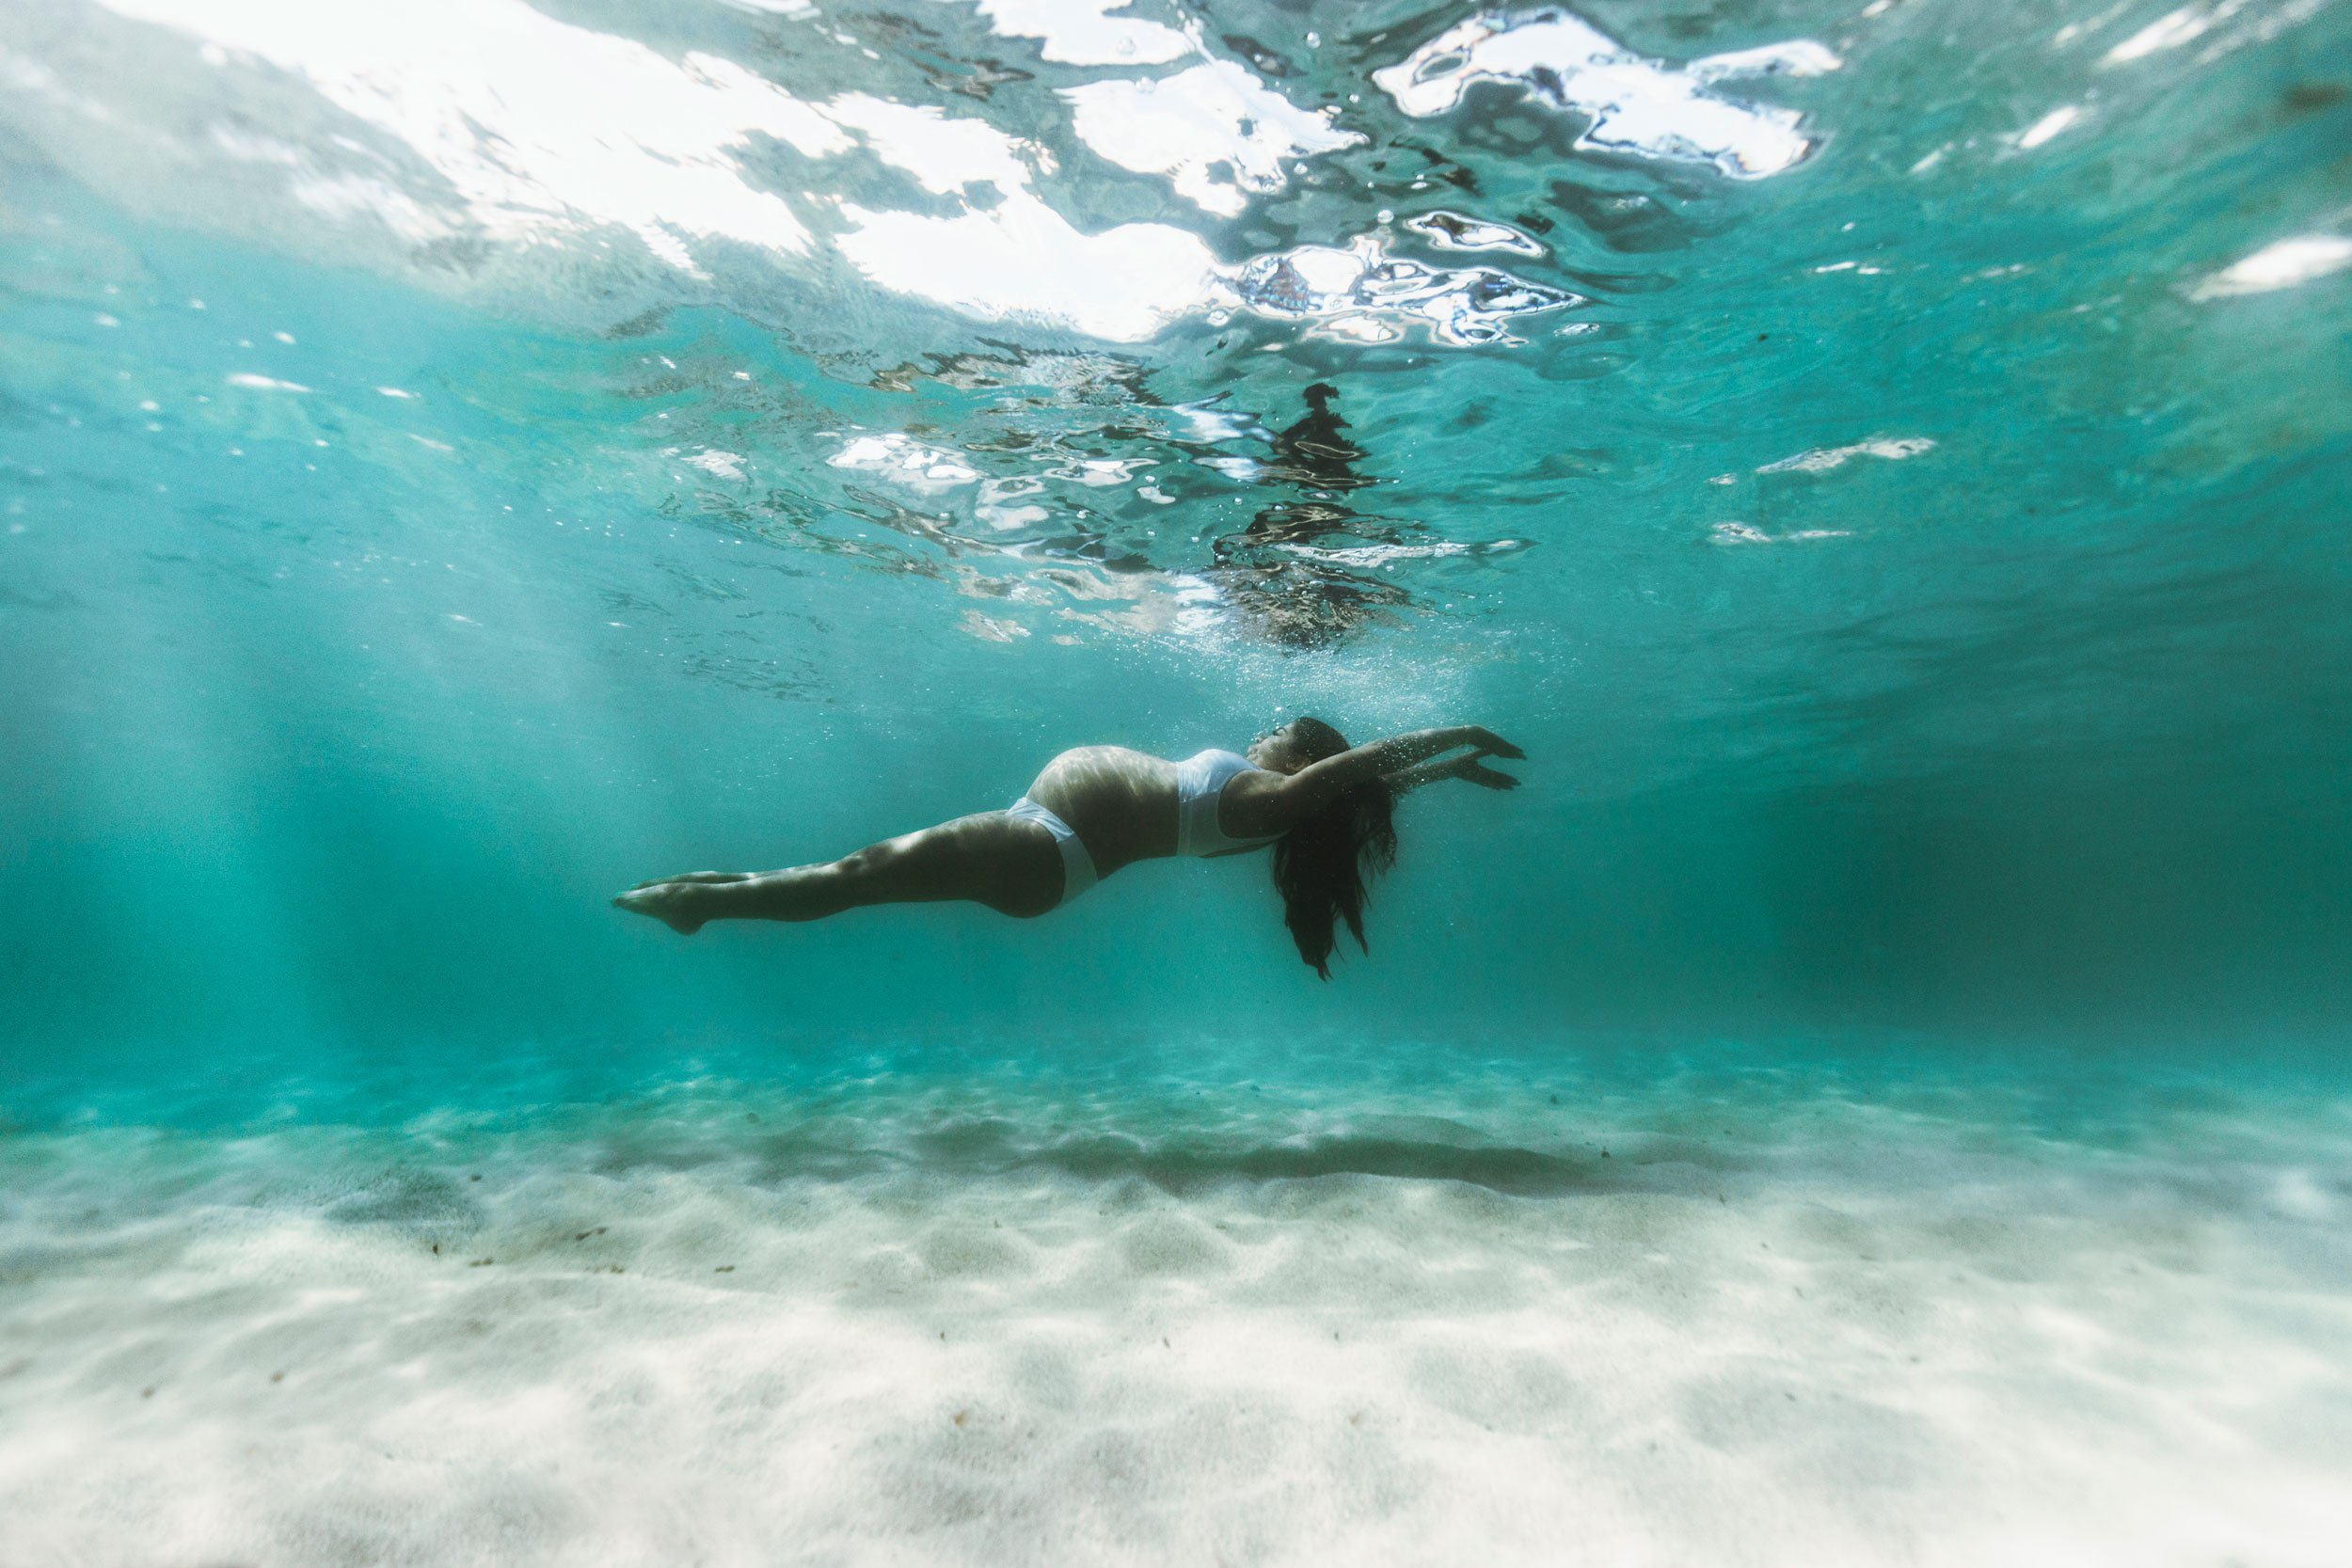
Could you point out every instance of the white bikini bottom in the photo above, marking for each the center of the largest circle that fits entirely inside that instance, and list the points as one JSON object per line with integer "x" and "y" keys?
{"x": 1077, "y": 866}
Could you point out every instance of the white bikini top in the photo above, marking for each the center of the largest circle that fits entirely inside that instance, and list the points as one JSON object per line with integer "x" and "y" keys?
{"x": 1200, "y": 786}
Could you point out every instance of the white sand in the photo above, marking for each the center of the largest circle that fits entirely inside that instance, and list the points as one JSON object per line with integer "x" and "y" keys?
{"x": 1002, "y": 1325}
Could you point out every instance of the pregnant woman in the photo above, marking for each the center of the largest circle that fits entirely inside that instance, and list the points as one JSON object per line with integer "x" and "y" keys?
{"x": 1324, "y": 806}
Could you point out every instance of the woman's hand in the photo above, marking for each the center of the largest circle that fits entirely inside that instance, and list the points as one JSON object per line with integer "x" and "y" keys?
{"x": 1486, "y": 740}
{"x": 1473, "y": 769}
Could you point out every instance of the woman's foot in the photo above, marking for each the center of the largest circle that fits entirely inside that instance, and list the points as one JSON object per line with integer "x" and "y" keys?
{"x": 678, "y": 902}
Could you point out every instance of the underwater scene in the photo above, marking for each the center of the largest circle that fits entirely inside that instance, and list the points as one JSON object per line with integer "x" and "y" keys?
{"x": 1867, "y": 1085}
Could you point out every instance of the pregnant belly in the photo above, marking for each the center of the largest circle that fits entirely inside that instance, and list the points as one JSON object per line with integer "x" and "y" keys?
{"x": 1121, "y": 802}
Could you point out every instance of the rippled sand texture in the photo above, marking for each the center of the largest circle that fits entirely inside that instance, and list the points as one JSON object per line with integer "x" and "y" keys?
{"x": 1700, "y": 1323}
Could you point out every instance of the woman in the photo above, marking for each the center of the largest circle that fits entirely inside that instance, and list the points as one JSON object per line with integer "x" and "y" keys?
{"x": 1325, "y": 807}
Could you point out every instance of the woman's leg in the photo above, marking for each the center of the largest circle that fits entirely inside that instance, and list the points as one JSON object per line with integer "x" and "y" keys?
{"x": 1011, "y": 866}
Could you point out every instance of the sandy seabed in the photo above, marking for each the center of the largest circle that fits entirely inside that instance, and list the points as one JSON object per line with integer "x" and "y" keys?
{"x": 1703, "y": 1321}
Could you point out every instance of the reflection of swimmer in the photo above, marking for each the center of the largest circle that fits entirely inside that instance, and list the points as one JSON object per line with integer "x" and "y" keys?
{"x": 1297, "y": 599}
{"x": 1324, "y": 807}
{"x": 1316, "y": 452}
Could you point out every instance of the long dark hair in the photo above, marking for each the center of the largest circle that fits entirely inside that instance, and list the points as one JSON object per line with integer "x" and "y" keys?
{"x": 1320, "y": 865}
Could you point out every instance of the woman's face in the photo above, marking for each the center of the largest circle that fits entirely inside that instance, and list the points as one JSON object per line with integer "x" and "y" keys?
{"x": 1277, "y": 751}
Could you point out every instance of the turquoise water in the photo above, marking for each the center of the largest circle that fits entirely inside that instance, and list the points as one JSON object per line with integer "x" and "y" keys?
{"x": 1886, "y": 464}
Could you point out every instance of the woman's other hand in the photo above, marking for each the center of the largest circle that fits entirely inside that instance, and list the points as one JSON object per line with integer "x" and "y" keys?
{"x": 1487, "y": 741}
{"x": 1473, "y": 769}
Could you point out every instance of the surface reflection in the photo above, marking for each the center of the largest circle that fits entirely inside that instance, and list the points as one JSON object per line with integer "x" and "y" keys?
{"x": 1308, "y": 572}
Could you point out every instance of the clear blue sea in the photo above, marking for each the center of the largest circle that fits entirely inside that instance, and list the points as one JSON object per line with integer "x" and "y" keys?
{"x": 1877, "y": 1094}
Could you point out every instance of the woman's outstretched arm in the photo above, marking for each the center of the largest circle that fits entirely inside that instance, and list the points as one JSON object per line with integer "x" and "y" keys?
{"x": 1269, "y": 803}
